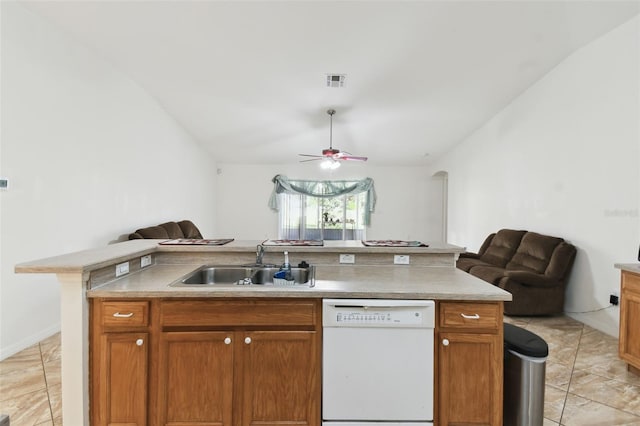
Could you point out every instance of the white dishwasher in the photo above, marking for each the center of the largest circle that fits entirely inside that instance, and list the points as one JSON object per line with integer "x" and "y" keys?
{"x": 377, "y": 362}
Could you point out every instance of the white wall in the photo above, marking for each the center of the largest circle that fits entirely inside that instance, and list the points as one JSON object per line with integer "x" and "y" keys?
{"x": 401, "y": 211}
{"x": 562, "y": 159}
{"x": 90, "y": 157}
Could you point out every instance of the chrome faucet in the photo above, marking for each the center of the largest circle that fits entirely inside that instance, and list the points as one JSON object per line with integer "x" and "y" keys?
{"x": 259, "y": 254}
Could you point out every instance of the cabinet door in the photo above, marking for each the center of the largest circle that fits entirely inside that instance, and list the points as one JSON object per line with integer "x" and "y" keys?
{"x": 470, "y": 383}
{"x": 196, "y": 378}
{"x": 280, "y": 378}
{"x": 122, "y": 380}
{"x": 629, "y": 319}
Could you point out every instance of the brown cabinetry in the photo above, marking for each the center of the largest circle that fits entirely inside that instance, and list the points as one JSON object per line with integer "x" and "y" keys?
{"x": 261, "y": 367}
{"x": 469, "y": 349}
{"x": 629, "y": 348}
{"x": 120, "y": 359}
{"x": 215, "y": 362}
{"x": 196, "y": 378}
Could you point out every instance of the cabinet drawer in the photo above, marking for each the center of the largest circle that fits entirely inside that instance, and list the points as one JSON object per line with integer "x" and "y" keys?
{"x": 125, "y": 313}
{"x": 470, "y": 315}
{"x": 238, "y": 313}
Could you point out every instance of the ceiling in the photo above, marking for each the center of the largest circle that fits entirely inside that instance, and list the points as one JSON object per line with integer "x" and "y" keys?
{"x": 248, "y": 79}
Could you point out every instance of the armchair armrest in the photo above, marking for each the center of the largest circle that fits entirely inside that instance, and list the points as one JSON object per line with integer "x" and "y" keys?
{"x": 469, "y": 255}
{"x": 531, "y": 278}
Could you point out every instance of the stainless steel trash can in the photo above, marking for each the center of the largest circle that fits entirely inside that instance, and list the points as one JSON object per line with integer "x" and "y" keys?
{"x": 525, "y": 357}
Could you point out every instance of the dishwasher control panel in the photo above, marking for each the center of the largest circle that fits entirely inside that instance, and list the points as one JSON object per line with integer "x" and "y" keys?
{"x": 376, "y": 313}
{"x": 379, "y": 317}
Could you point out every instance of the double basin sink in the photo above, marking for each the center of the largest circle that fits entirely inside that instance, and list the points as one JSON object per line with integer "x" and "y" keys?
{"x": 246, "y": 275}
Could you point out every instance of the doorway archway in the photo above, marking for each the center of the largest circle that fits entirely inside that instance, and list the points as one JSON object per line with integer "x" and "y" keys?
{"x": 441, "y": 201}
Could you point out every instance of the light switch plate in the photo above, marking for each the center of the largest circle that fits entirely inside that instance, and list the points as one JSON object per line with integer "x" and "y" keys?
{"x": 145, "y": 261}
{"x": 122, "y": 269}
{"x": 401, "y": 259}
{"x": 347, "y": 258}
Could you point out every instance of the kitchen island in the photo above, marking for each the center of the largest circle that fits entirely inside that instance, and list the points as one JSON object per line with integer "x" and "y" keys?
{"x": 89, "y": 277}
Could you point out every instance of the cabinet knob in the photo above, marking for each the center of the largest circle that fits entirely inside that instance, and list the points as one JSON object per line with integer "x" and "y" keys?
{"x": 445, "y": 342}
{"x": 139, "y": 342}
{"x": 247, "y": 340}
{"x": 227, "y": 340}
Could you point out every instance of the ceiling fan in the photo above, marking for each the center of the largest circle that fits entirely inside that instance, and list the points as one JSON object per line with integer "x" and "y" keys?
{"x": 331, "y": 156}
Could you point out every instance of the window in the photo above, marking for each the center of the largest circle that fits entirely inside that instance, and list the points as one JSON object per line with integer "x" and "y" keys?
{"x": 322, "y": 210}
{"x": 304, "y": 217}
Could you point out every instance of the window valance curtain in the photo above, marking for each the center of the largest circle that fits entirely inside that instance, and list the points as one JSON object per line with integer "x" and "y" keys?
{"x": 324, "y": 189}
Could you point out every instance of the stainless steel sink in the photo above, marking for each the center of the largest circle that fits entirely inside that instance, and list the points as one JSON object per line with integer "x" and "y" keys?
{"x": 266, "y": 275}
{"x": 217, "y": 275}
{"x": 244, "y": 275}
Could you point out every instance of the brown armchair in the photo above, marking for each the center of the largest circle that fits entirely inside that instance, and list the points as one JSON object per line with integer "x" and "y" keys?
{"x": 168, "y": 230}
{"x": 533, "y": 267}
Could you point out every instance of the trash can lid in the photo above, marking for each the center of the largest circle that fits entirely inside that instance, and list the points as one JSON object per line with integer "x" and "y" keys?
{"x": 524, "y": 342}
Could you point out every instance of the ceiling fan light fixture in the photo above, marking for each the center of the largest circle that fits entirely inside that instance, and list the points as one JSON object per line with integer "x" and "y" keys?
{"x": 331, "y": 157}
{"x": 329, "y": 164}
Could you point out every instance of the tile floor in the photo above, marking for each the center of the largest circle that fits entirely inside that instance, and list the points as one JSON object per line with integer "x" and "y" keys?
{"x": 586, "y": 383}
{"x": 30, "y": 389}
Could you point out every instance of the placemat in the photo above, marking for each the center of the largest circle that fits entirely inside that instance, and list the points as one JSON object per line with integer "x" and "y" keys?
{"x": 197, "y": 242}
{"x": 393, "y": 243}
{"x": 292, "y": 243}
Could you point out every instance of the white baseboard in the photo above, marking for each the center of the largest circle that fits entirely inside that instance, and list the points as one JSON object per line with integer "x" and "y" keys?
{"x": 13, "y": 349}
{"x": 598, "y": 320}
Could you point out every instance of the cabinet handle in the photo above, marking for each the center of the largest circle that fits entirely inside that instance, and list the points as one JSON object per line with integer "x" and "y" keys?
{"x": 445, "y": 342}
{"x": 227, "y": 340}
{"x": 247, "y": 340}
{"x": 139, "y": 342}
{"x": 119, "y": 315}
{"x": 474, "y": 316}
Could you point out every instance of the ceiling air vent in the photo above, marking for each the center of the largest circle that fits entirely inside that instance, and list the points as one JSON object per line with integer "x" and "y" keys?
{"x": 335, "y": 80}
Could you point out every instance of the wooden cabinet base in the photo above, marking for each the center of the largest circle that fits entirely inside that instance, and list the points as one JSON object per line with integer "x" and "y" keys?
{"x": 234, "y": 363}
{"x": 469, "y": 364}
{"x": 629, "y": 343}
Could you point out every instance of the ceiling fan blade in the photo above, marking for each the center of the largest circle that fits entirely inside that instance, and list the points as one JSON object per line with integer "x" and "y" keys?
{"x": 311, "y": 159}
{"x": 311, "y": 155}
{"x": 344, "y": 155}
{"x": 353, "y": 158}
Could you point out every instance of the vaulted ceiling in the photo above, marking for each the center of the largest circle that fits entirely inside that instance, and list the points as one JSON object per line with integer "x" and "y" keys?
{"x": 248, "y": 79}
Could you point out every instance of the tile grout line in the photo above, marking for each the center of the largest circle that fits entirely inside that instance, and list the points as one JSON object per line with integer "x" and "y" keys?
{"x": 573, "y": 368}
{"x": 593, "y": 374}
{"x": 46, "y": 382}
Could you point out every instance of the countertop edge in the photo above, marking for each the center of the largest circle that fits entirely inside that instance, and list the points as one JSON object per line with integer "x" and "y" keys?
{"x": 298, "y": 295}
{"x": 96, "y": 258}
{"x": 629, "y": 267}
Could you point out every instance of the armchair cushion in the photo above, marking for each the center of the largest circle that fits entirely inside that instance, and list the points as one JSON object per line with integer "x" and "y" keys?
{"x": 490, "y": 274}
{"x": 531, "y": 278}
{"x": 467, "y": 262}
{"x": 168, "y": 230}
{"x": 534, "y": 253}
{"x": 502, "y": 247}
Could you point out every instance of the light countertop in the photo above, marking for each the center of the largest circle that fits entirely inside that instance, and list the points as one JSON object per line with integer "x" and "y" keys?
{"x": 392, "y": 282}
{"x": 629, "y": 267}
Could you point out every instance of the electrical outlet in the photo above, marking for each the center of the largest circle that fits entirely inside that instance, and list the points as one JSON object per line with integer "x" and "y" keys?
{"x": 122, "y": 269}
{"x": 145, "y": 261}
{"x": 613, "y": 299}
{"x": 401, "y": 259}
{"x": 347, "y": 258}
